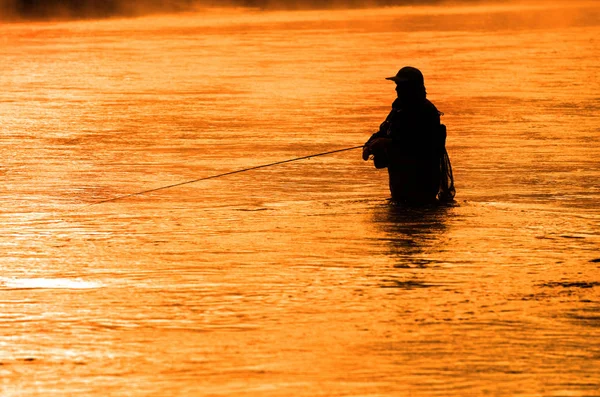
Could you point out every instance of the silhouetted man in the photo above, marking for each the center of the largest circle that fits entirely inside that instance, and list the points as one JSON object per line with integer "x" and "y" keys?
{"x": 411, "y": 144}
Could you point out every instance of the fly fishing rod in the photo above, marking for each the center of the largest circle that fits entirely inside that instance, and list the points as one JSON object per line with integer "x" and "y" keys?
{"x": 221, "y": 175}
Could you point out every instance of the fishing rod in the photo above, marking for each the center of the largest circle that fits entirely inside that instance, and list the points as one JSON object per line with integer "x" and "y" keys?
{"x": 221, "y": 175}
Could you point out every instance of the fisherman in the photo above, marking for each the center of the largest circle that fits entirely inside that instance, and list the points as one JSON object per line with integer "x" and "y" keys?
{"x": 411, "y": 144}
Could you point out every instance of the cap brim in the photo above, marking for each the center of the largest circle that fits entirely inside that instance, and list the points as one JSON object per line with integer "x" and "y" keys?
{"x": 397, "y": 79}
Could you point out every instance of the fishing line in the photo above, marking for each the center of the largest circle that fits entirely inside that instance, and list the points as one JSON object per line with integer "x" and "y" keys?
{"x": 221, "y": 175}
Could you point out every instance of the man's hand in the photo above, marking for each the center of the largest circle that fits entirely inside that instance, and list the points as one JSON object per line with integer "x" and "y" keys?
{"x": 366, "y": 153}
{"x": 379, "y": 144}
{"x": 375, "y": 146}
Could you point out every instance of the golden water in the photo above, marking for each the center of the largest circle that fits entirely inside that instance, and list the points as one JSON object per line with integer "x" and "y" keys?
{"x": 300, "y": 279}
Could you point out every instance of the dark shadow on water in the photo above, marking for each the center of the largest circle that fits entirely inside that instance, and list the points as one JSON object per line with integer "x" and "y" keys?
{"x": 408, "y": 284}
{"x": 414, "y": 234}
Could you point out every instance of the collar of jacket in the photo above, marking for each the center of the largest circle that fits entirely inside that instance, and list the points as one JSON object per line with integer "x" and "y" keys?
{"x": 397, "y": 105}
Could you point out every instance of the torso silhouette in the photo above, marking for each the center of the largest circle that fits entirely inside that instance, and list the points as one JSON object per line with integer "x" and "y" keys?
{"x": 412, "y": 155}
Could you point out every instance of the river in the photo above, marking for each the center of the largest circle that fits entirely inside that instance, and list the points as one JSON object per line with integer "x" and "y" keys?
{"x": 298, "y": 279}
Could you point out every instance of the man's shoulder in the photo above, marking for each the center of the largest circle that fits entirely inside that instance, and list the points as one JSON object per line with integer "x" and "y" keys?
{"x": 430, "y": 106}
{"x": 418, "y": 109}
{"x": 430, "y": 111}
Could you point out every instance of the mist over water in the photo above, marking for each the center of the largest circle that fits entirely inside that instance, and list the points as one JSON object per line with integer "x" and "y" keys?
{"x": 43, "y": 9}
{"x": 65, "y": 9}
{"x": 300, "y": 279}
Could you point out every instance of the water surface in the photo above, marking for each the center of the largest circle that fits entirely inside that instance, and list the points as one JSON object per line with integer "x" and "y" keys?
{"x": 298, "y": 279}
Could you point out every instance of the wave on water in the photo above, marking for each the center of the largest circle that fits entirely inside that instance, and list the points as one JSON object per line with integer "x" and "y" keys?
{"x": 46, "y": 283}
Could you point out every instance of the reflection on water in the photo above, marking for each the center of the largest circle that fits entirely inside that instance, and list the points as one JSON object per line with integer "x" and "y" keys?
{"x": 414, "y": 234}
{"x": 299, "y": 279}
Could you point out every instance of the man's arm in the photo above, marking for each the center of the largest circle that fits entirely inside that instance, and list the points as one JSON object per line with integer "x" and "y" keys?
{"x": 378, "y": 141}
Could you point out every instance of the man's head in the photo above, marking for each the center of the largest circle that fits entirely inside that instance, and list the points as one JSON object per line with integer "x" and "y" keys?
{"x": 410, "y": 84}
{"x": 408, "y": 74}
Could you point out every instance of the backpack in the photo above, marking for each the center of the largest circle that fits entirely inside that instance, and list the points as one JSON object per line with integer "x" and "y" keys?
{"x": 447, "y": 190}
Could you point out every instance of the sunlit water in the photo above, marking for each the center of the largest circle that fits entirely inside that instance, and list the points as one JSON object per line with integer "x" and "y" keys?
{"x": 299, "y": 279}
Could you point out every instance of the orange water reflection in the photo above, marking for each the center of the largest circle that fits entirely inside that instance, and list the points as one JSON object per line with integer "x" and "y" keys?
{"x": 298, "y": 279}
